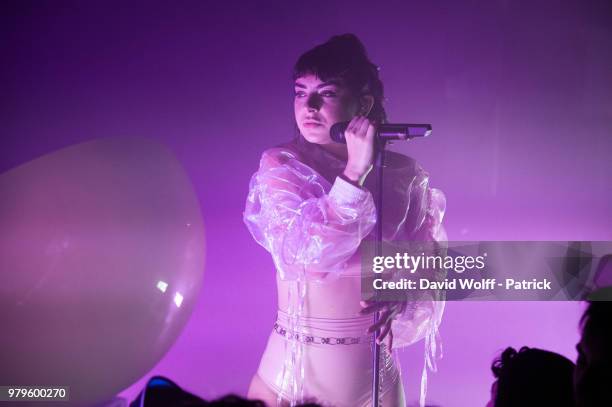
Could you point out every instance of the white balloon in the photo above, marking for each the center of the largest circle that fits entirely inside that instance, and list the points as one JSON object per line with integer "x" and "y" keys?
{"x": 102, "y": 259}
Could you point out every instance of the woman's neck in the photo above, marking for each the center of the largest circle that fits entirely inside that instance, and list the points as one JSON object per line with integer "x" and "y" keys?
{"x": 337, "y": 149}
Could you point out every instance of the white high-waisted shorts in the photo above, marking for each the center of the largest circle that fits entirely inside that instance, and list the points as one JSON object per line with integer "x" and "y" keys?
{"x": 337, "y": 362}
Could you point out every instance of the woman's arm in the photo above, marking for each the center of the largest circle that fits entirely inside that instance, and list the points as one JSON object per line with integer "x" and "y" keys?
{"x": 305, "y": 223}
{"x": 424, "y": 315}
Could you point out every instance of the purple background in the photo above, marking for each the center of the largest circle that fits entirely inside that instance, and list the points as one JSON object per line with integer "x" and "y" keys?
{"x": 519, "y": 95}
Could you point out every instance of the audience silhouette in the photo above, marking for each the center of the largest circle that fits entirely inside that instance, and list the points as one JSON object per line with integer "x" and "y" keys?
{"x": 532, "y": 377}
{"x": 593, "y": 373}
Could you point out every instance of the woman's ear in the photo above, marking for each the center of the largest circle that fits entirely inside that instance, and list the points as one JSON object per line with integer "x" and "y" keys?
{"x": 366, "y": 103}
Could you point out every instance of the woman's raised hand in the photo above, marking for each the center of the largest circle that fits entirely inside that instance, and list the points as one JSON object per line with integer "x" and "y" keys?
{"x": 359, "y": 137}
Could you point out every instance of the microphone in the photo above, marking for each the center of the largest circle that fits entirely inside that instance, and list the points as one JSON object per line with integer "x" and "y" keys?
{"x": 385, "y": 131}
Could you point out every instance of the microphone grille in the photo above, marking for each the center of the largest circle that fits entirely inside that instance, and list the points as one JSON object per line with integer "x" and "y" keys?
{"x": 337, "y": 132}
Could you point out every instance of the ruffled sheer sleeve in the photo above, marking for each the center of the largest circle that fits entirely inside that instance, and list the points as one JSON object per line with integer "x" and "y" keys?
{"x": 304, "y": 222}
{"x": 421, "y": 319}
{"x": 426, "y": 211}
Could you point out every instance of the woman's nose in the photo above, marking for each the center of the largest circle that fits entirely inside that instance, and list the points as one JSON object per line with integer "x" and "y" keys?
{"x": 314, "y": 103}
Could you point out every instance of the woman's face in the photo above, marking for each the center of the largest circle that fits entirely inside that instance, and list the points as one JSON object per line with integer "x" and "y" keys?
{"x": 318, "y": 105}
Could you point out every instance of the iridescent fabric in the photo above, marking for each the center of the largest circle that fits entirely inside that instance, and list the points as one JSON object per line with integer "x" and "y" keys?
{"x": 312, "y": 222}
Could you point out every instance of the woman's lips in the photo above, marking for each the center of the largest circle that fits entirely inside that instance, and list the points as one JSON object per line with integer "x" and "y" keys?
{"x": 312, "y": 124}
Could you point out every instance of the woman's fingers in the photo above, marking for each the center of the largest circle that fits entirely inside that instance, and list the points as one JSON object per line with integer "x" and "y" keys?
{"x": 363, "y": 124}
{"x": 388, "y": 312}
{"x": 397, "y": 309}
{"x": 371, "y": 307}
{"x": 360, "y": 126}
{"x": 390, "y": 340}
{"x": 355, "y": 125}
{"x": 386, "y": 328}
{"x": 370, "y": 130}
{"x": 383, "y": 319}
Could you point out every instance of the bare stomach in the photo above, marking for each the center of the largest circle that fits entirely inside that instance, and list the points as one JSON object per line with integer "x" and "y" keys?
{"x": 330, "y": 299}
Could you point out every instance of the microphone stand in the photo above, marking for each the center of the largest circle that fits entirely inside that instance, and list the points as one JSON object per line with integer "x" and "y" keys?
{"x": 385, "y": 134}
{"x": 401, "y": 132}
{"x": 379, "y": 164}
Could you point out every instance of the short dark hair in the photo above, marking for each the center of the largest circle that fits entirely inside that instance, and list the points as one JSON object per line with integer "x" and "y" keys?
{"x": 593, "y": 372}
{"x": 343, "y": 57}
{"x": 533, "y": 377}
{"x": 597, "y": 320}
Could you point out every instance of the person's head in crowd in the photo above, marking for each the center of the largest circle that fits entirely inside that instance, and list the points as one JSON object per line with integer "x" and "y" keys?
{"x": 532, "y": 377}
{"x": 232, "y": 400}
{"x": 593, "y": 375}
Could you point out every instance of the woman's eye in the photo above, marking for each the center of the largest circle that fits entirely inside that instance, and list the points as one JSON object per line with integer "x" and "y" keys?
{"x": 328, "y": 93}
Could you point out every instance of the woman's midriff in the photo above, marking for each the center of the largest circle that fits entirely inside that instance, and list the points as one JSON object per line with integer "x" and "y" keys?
{"x": 332, "y": 298}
